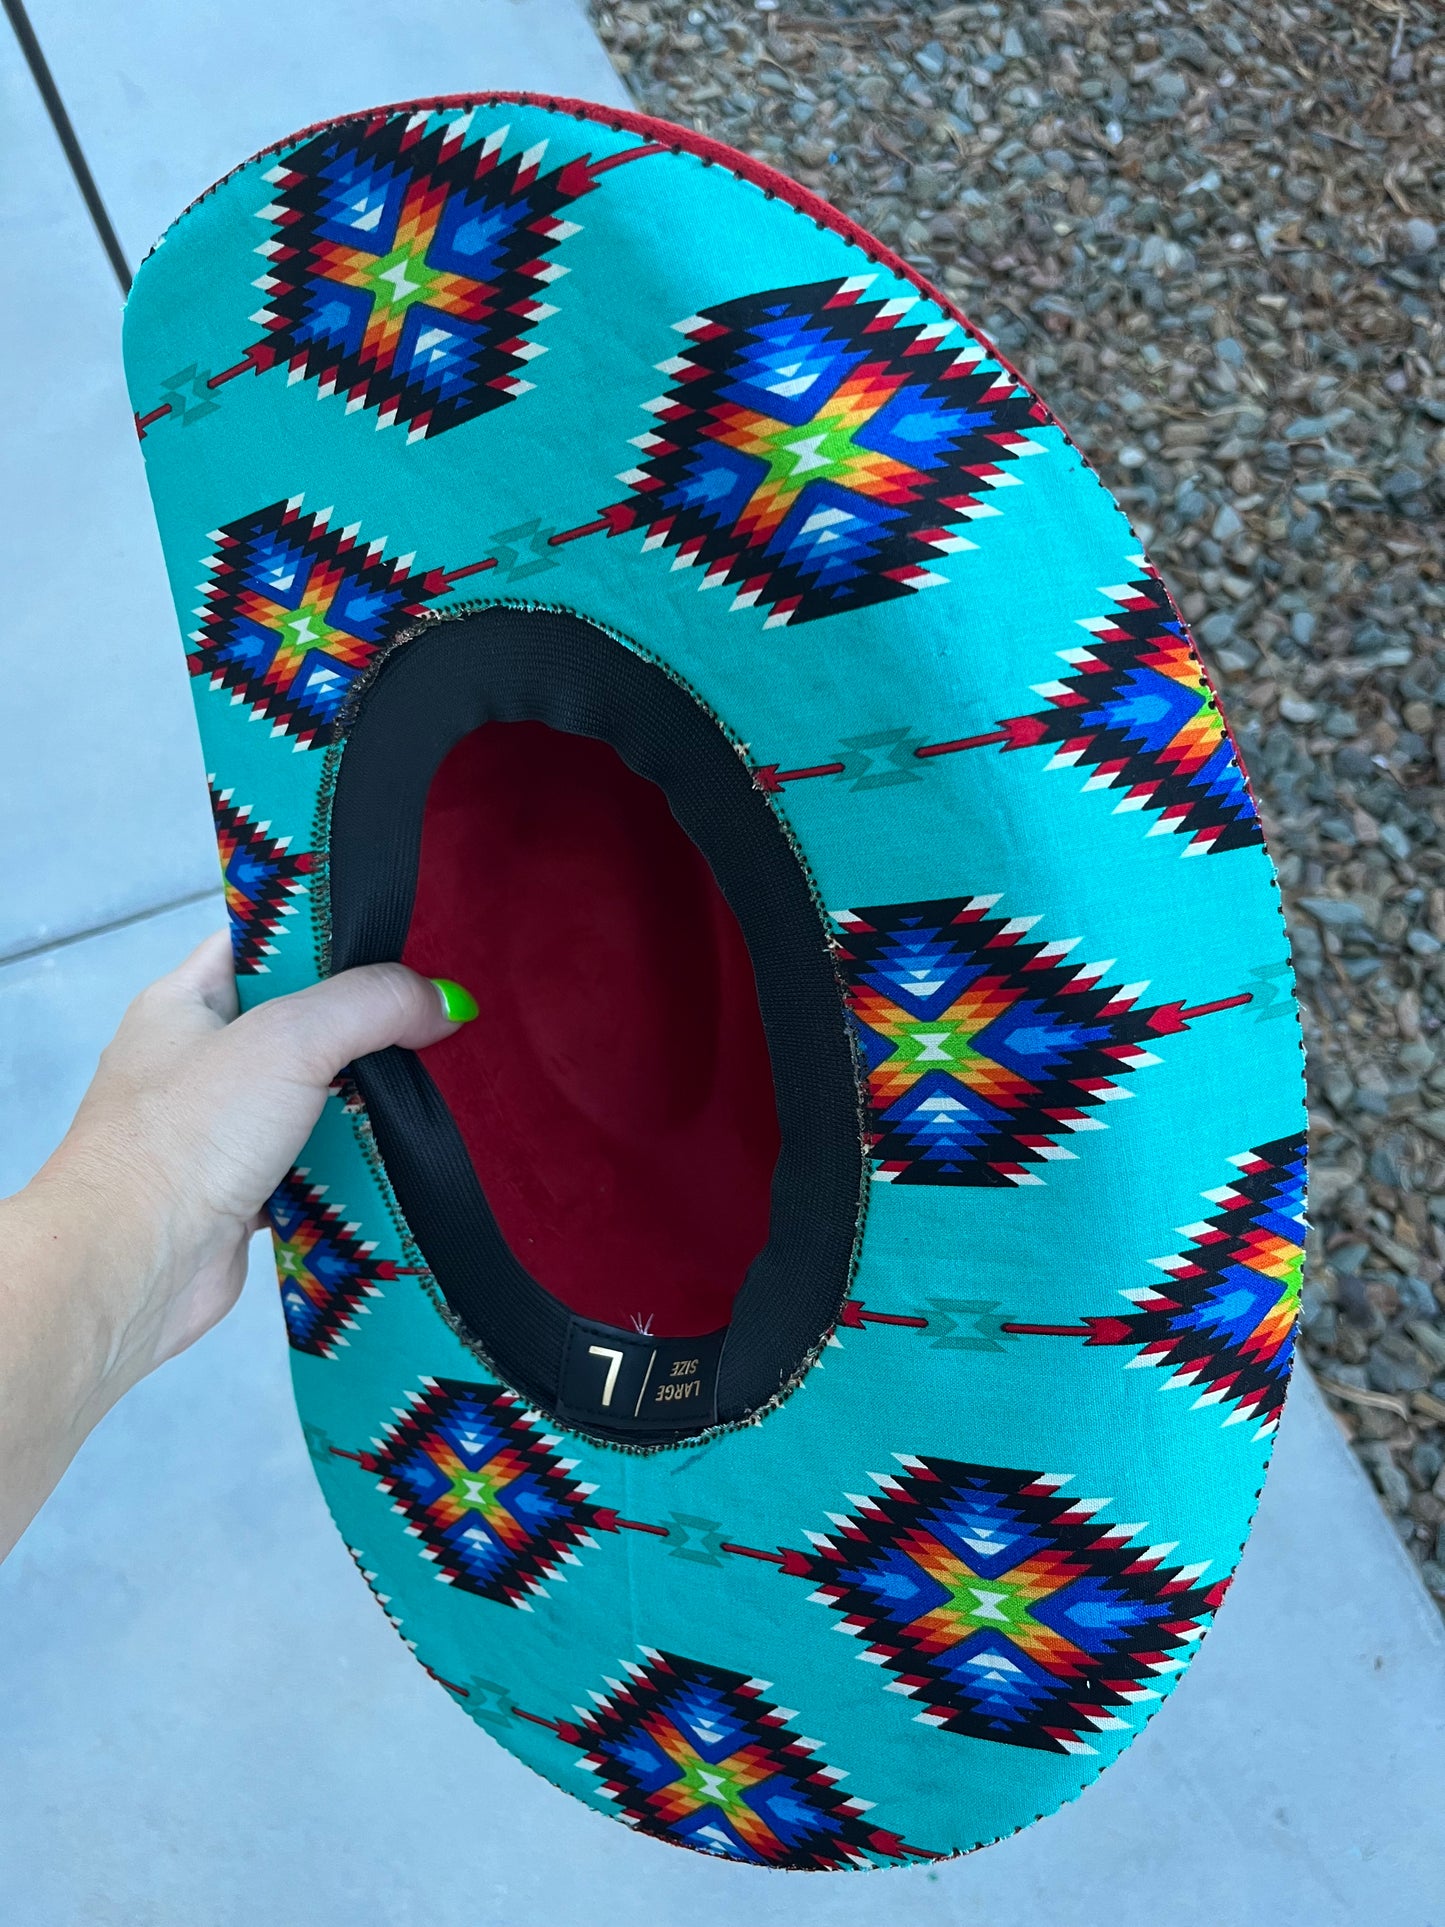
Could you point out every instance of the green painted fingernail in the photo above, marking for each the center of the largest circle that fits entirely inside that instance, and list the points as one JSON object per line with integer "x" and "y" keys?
{"x": 458, "y": 1004}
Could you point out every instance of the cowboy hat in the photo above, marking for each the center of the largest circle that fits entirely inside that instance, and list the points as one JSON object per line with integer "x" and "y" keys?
{"x": 613, "y": 579}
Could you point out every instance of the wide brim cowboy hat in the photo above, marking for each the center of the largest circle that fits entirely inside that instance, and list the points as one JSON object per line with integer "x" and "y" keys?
{"x": 614, "y": 580}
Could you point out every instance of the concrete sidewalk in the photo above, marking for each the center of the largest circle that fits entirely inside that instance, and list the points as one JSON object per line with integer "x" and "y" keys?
{"x": 208, "y": 1723}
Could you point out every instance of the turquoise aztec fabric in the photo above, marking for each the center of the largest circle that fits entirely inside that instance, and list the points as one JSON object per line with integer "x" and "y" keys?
{"x": 513, "y": 350}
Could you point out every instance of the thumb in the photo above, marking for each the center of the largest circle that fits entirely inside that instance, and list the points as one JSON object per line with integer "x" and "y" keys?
{"x": 317, "y": 1031}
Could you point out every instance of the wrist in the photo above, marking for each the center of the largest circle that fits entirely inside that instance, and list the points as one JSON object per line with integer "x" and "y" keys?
{"x": 62, "y": 1338}
{"x": 92, "y": 1251}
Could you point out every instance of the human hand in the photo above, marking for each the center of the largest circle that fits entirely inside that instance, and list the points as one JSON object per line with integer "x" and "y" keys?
{"x": 132, "y": 1240}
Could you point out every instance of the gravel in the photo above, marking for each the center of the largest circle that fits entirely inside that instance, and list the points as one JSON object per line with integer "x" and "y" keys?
{"x": 1213, "y": 237}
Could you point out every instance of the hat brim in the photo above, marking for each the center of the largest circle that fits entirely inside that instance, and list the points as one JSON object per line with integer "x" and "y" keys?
{"x": 1019, "y": 1474}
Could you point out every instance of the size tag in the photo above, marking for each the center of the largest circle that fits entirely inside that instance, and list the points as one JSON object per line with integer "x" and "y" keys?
{"x": 631, "y": 1382}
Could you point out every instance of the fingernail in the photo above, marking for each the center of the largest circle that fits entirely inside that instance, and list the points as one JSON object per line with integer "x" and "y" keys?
{"x": 459, "y": 1006}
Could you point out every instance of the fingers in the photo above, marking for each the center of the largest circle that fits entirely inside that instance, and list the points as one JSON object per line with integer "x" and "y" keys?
{"x": 314, "y": 1032}
{"x": 191, "y": 1002}
{"x": 208, "y": 975}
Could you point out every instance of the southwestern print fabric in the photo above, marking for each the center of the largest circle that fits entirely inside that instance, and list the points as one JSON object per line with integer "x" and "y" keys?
{"x": 294, "y": 611}
{"x": 1224, "y": 1325}
{"x": 324, "y": 1269}
{"x": 1010, "y": 1611}
{"x": 406, "y": 267}
{"x": 816, "y": 453}
{"x": 826, "y": 440}
{"x": 1138, "y": 714}
{"x": 983, "y": 1050}
{"x": 260, "y": 876}
{"x": 481, "y": 1486}
{"x": 695, "y": 1755}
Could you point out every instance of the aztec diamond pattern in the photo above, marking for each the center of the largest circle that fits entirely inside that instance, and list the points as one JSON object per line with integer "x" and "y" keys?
{"x": 1225, "y": 1322}
{"x": 294, "y": 612}
{"x": 815, "y": 454}
{"x": 405, "y": 268}
{"x": 323, "y": 1268}
{"x": 1008, "y": 1611}
{"x": 260, "y": 877}
{"x": 696, "y": 1756}
{"x": 1139, "y": 714}
{"x": 983, "y": 1050}
{"x": 478, "y": 1481}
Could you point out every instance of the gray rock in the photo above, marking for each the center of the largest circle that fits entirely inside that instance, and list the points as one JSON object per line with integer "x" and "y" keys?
{"x": 1339, "y": 1088}
{"x": 1217, "y": 628}
{"x": 1420, "y": 235}
{"x": 1336, "y": 913}
{"x": 1191, "y": 502}
{"x": 1387, "y": 1373}
{"x": 1309, "y": 427}
{"x": 1308, "y": 951}
{"x": 1403, "y": 482}
{"x": 1428, "y": 1337}
{"x": 1304, "y": 528}
{"x": 1392, "y": 1482}
{"x": 1237, "y": 655}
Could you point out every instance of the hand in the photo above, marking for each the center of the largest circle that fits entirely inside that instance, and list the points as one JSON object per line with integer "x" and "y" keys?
{"x": 132, "y": 1240}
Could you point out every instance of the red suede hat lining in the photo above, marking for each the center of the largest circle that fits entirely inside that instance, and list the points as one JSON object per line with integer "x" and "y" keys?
{"x": 615, "y": 1093}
